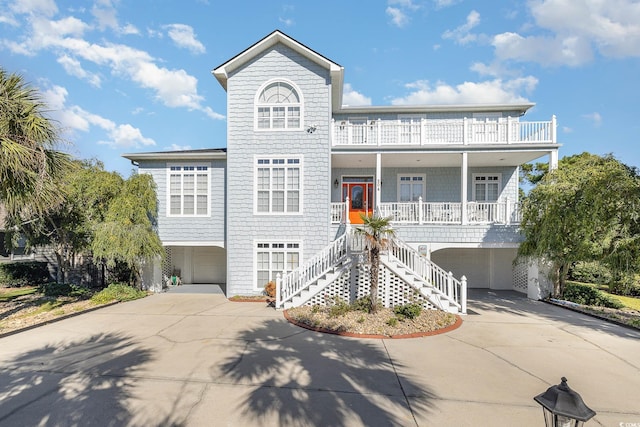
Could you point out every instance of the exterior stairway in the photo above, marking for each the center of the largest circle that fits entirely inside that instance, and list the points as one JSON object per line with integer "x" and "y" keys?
{"x": 434, "y": 284}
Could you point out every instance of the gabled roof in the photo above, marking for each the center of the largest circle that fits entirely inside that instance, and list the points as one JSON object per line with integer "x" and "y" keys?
{"x": 336, "y": 71}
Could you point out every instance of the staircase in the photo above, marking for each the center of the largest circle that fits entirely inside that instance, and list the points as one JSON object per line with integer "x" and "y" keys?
{"x": 436, "y": 285}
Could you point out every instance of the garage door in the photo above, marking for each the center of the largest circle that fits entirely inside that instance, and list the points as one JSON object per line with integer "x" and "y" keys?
{"x": 209, "y": 265}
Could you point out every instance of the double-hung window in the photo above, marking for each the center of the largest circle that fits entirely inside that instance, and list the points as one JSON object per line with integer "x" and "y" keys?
{"x": 273, "y": 258}
{"x": 486, "y": 187}
{"x": 411, "y": 187}
{"x": 278, "y": 185}
{"x": 188, "y": 190}
{"x": 278, "y": 106}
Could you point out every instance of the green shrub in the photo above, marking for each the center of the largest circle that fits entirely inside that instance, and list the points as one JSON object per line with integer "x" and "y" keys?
{"x": 117, "y": 292}
{"x": 590, "y": 272}
{"x": 408, "y": 311}
{"x": 338, "y": 307}
{"x": 24, "y": 273}
{"x": 362, "y": 304}
{"x": 62, "y": 290}
{"x": 626, "y": 286}
{"x": 588, "y": 295}
{"x": 392, "y": 321}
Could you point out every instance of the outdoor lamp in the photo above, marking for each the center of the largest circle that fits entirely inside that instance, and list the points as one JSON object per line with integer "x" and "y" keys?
{"x": 336, "y": 183}
{"x": 563, "y": 407}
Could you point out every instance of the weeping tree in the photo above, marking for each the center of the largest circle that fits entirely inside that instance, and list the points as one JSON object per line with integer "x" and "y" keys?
{"x": 128, "y": 234}
{"x": 586, "y": 210}
{"x": 378, "y": 235}
{"x": 30, "y": 165}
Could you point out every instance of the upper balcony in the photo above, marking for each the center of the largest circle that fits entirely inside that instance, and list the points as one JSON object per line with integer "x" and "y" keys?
{"x": 425, "y": 132}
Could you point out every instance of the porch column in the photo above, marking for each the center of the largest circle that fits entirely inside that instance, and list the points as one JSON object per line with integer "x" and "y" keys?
{"x": 378, "y": 180}
{"x": 553, "y": 159}
{"x": 464, "y": 187}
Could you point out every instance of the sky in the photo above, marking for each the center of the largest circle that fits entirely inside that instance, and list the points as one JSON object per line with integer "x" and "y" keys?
{"x": 124, "y": 76}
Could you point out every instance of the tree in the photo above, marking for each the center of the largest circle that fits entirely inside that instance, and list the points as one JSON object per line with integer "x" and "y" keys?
{"x": 128, "y": 234}
{"x": 585, "y": 210}
{"x": 378, "y": 234}
{"x": 29, "y": 165}
{"x": 68, "y": 227}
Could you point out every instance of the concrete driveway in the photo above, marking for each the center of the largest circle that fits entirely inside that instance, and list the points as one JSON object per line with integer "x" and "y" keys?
{"x": 199, "y": 360}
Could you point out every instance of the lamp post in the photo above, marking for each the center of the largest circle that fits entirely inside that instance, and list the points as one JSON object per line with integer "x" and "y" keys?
{"x": 563, "y": 407}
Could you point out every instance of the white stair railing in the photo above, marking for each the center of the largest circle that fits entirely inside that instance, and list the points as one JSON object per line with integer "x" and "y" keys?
{"x": 453, "y": 289}
{"x": 296, "y": 281}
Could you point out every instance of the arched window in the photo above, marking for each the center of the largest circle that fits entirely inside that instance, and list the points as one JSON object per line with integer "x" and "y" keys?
{"x": 278, "y": 106}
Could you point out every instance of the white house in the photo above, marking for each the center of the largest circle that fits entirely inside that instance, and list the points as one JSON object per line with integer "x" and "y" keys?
{"x": 299, "y": 169}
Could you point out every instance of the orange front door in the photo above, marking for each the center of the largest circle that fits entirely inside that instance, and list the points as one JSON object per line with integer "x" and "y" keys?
{"x": 360, "y": 199}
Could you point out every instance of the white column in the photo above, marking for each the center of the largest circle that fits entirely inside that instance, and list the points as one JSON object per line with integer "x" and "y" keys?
{"x": 378, "y": 180}
{"x": 553, "y": 159}
{"x": 464, "y": 187}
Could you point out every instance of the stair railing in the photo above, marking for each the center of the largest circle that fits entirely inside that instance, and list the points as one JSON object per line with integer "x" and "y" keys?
{"x": 297, "y": 280}
{"x": 453, "y": 289}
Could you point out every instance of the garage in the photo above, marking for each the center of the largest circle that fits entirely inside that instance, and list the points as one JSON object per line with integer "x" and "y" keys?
{"x": 199, "y": 264}
{"x": 489, "y": 268}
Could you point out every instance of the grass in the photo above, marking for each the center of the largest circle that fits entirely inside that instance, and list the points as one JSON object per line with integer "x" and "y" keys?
{"x": 629, "y": 302}
{"x": 8, "y": 295}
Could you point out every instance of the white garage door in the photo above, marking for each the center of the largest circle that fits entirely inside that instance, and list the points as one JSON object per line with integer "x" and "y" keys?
{"x": 209, "y": 265}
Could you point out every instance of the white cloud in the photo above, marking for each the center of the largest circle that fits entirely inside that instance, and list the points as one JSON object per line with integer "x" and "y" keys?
{"x": 594, "y": 117}
{"x": 462, "y": 34}
{"x": 177, "y": 147}
{"x": 172, "y": 87}
{"x": 35, "y": 7}
{"x": 107, "y": 17}
{"x": 567, "y": 129}
{"x": 398, "y": 11}
{"x": 574, "y": 31}
{"x": 184, "y": 37}
{"x": 287, "y": 22}
{"x": 495, "y": 91}
{"x": 445, "y": 3}
{"x": 74, "y": 118}
{"x": 73, "y": 67}
{"x": 352, "y": 98}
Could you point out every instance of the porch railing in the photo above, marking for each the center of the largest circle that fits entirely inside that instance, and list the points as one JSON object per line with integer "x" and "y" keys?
{"x": 428, "y": 131}
{"x": 455, "y": 290}
{"x": 438, "y": 212}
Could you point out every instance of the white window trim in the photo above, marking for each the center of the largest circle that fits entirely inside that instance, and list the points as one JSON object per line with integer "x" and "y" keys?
{"x": 473, "y": 184}
{"x": 168, "y": 189}
{"x": 301, "y": 190}
{"x": 271, "y": 241}
{"x": 424, "y": 185}
{"x": 256, "y": 104}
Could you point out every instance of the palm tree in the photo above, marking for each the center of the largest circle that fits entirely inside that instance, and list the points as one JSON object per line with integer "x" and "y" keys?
{"x": 378, "y": 234}
{"x": 29, "y": 165}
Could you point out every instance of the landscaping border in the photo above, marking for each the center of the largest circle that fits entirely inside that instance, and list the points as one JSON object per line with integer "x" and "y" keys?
{"x": 57, "y": 319}
{"x": 577, "y": 308}
{"x": 446, "y": 329}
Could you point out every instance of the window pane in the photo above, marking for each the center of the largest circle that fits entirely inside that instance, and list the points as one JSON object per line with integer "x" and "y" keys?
{"x": 264, "y": 119}
{"x": 263, "y": 179}
{"x": 293, "y": 201}
{"x": 188, "y": 184}
{"x": 277, "y": 261}
{"x": 278, "y": 117}
{"x": 492, "y": 192}
{"x": 263, "y": 201}
{"x": 417, "y": 191}
{"x": 480, "y": 192}
{"x": 278, "y": 178}
{"x": 278, "y": 201}
{"x": 202, "y": 204}
{"x": 175, "y": 205}
{"x": 263, "y": 278}
{"x": 263, "y": 260}
{"x": 293, "y": 260}
{"x": 293, "y": 178}
{"x": 188, "y": 205}
{"x": 405, "y": 190}
{"x": 202, "y": 184}
{"x": 293, "y": 121}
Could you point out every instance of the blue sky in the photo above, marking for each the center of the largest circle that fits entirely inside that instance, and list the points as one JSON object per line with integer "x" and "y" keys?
{"x": 125, "y": 76}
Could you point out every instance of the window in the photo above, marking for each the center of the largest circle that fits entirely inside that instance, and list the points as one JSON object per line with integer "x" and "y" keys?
{"x": 273, "y": 258}
{"x": 278, "y": 185}
{"x": 486, "y": 187}
{"x": 188, "y": 190}
{"x": 278, "y": 106}
{"x": 411, "y": 187}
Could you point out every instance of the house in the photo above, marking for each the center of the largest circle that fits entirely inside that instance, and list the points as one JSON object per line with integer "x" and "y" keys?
{"x": 300, "y": 168}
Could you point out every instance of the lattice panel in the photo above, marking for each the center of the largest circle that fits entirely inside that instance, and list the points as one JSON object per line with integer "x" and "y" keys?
{"x": 520, "y": 277}
{"x": 392, "y": 290}
{"x": 167, "y": 269}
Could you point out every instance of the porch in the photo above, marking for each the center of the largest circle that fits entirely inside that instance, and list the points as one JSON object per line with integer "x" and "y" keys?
{"x": 420, "y": 212}
{"x": 423, "y": 131}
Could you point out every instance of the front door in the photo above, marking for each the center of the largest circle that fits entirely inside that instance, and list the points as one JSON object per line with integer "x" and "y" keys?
{"x": 360, "y": 198}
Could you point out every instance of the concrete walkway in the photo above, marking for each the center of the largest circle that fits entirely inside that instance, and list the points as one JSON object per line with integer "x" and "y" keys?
{"x": 178, "y": 359}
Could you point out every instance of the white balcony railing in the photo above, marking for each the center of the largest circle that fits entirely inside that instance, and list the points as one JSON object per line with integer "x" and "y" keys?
{"x": 450, "y": 132}
{"x": 439, "y": 212}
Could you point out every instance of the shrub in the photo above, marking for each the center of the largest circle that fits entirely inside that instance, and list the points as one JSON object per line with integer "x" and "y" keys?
{"x": 409, "y": 311}
{"x": 590, "y": 272}
{"x": 626, "y": 286}
{"x": 588, "y": 295}
{"x": 392, "y": 321}
{"x": 117, "y": 292}
{"x": 24, "y": 273}
{"x": 338, "y": 306}
{"x": 62, "y": 290}
{"x": 362, "y": 304}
